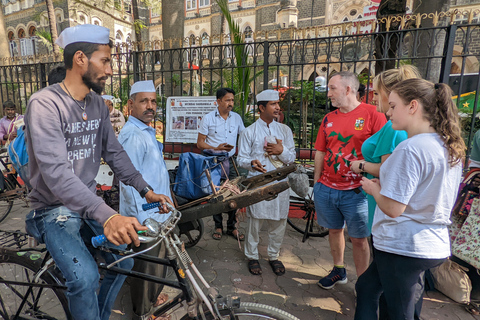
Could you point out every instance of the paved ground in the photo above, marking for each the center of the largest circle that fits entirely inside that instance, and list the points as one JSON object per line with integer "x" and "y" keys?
{"x": 224, "y": 266}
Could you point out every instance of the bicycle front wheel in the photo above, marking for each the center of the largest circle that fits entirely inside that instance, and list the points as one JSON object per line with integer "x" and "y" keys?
{"x": 39, "y": 303}
{"x": 5, "y": 208}
{"x": 252, "y": 311}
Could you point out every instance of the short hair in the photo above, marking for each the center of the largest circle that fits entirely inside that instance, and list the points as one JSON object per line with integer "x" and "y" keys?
{"x": 57, "y": 75}
{"x": 9, "y": 104}
{"x": 349, "y": 79}
{"x": 222, "y": 92}
{"x": 86, "y": 47}
{"x": 262, "y": 103}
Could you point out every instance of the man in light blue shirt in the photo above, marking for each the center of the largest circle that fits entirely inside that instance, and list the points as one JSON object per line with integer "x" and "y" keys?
{"x": 138, "y": 140}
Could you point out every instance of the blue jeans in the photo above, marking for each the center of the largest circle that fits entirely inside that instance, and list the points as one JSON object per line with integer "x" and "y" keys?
{"x": 337, "y": 207}
{"x": 64, "y": 232}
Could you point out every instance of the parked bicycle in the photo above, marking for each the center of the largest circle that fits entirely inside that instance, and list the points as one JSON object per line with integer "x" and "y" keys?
{"x": 31, "y": 287}
{"x": 12, "y": 189}
{"x": 302, "y": 217}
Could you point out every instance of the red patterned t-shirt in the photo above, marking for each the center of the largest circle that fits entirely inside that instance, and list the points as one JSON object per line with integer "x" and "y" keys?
{"x": 341, "y": 136}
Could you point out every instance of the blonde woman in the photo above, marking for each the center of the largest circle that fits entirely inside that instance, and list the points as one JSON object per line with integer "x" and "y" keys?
{"x": 378, "y": 147}
{"x": 415, "y": 194}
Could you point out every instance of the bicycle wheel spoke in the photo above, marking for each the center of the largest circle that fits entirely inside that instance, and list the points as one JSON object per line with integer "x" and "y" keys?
{"x": 27, "y": 302}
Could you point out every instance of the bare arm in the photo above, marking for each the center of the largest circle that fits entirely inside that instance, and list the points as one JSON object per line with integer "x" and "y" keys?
{"x": 369, "y": 167}
{"x": 202, "y": 145}
{"x": 319, "y": 156}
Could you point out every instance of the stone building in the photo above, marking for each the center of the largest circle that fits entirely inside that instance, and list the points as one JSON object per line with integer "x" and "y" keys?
{"x": 24, "y": 17}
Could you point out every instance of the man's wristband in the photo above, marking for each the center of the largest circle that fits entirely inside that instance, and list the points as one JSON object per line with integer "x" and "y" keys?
{"x": 108, "y": 220}
{"x": 145, "y": 191}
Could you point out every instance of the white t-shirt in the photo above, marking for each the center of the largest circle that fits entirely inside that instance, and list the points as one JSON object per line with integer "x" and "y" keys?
{"x": 219, "y": 130}
{"x": 418, "y": 175}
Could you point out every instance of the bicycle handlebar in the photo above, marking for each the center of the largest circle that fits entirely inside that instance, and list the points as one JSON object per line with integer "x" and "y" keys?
{"x": 154, "y": 228}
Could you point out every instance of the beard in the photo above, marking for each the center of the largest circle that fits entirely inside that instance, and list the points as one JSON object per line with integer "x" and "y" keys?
{"x": 91, "y": 81}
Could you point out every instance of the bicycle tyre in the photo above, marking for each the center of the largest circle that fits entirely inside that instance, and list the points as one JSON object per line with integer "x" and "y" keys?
{"x": 6, "y": 204}
{"x": 253, "y": 311}
{"x": 5, "y": 208}
{"x": 43, "y": 303}
{"x": 191, "y": 232}
{"x": 299, "y": 224}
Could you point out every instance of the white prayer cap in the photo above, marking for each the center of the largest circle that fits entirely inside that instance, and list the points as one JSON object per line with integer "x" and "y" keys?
{"x": 142, "y": 86}
{"x": 107, "y": 97}
{"x": 83, "y": 33}
{"x": 268, "y": 95}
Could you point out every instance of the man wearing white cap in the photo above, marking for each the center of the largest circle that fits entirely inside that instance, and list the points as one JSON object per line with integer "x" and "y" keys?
{"x": 138, "y": 140}
{"x": 68, "y": 131}
{"x": 116, "y": 117}
{"x": 264, "y": 146}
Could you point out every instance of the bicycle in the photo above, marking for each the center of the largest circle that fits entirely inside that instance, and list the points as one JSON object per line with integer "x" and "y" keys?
{"x": 32, "y": 288}
{"x": 12, "y": 188}
{"x": 307, "y": 223}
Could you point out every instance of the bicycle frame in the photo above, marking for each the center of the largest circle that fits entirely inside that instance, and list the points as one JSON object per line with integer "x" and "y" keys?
{"x": 194, "y": 297}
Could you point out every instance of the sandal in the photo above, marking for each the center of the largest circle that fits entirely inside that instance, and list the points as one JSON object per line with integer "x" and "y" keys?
{"x": 254, "y": 267}
{"x": 237, "y": 236}
{"x": 277, "y": 267}
{"x": 217, "y": 235}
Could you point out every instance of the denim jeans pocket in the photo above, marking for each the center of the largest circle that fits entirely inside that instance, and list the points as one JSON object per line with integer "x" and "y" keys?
{"x": 31, "y": 226}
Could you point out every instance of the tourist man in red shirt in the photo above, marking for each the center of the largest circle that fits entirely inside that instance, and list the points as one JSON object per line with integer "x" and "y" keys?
{"x": 338, "y": 194}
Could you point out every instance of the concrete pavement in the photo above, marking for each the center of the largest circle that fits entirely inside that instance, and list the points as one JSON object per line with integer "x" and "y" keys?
{"x": 224, "y": 266}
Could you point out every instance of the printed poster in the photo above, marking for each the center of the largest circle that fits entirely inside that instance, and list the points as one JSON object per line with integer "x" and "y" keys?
{"x": 184, "y": 115}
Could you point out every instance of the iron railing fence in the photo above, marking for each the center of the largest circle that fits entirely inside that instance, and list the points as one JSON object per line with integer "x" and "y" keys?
{"x": 298, "y": 68}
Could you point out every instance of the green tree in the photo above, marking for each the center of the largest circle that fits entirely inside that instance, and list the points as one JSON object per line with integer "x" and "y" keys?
{"x": 303, "y": 116}
{"x": 242, "y": 77}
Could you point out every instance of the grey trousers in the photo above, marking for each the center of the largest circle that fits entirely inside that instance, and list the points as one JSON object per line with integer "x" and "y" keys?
{"x": 276, "y": 231}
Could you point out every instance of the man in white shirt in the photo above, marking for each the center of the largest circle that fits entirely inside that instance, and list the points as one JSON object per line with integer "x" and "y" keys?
{"x": 218, "y": 131}
{"x": 265, "y": 146}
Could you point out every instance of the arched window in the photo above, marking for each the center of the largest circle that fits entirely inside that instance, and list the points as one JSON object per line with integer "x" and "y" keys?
{"x": 31, "y": 31}
{"x": 119, "y": 36}
{"x": 248, "y": 34}
{"x": 129, "y": 39}
{"x": 345, "y": 19}
{"x": 11, "y": 36}
{"x": 205, "y": 39}
{"x": 82, "y": 20}
{"x": 21, "y": 34}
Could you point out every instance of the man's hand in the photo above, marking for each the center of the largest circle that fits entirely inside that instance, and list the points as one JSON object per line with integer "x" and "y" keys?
{"x": 371, "y": 186}
{"x": 224, "y": 147}
{"x": 12, "y": 135}
{"x": 120, "y": 230}
{"x": 257, "y": 166}
{"x": 163, "y": 199}
{"x": 274, "y": 148}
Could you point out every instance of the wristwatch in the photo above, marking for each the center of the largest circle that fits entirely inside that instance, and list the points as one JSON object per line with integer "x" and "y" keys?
{"x": 145, "y": 191}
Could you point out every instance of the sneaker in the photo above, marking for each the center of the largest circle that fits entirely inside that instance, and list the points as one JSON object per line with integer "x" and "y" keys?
{"x": 337, "y": 275}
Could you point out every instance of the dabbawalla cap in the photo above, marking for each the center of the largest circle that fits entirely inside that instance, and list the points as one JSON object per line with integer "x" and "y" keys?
{"x": 142, "y": 86}
{"x": 268, "y": 95}
{"x": 107, "y": 97}
{"x": 83, "y": 33}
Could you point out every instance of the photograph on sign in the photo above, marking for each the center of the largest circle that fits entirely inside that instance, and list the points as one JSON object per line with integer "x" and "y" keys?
{"x": 184, "y": 115}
